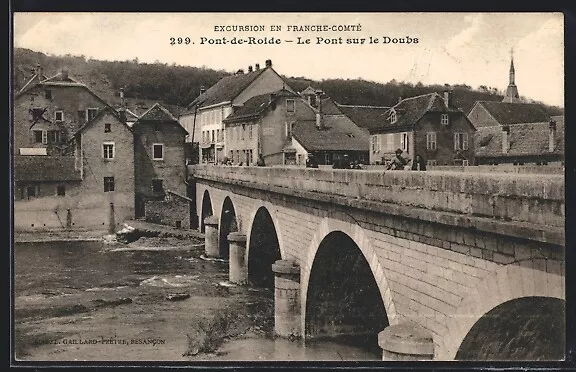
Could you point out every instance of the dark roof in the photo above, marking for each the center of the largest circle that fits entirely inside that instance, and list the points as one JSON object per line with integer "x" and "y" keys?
{"x": 515, "y": 113}
{"x": 157, "y": 113}
{"x": 227, "y": 88}
{"x": 410, "y": 110}
{"x": 256, "y": 105}
{"x": 365, "y": 116}
{"x": 28, "y": 168}
{"x": 340, "y": 133}
{"x": 525, "y": 139}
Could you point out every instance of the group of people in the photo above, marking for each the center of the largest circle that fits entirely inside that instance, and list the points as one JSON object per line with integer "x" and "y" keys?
{"x": 398, "y": 162}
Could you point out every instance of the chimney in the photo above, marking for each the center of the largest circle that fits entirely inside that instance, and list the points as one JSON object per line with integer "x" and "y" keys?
{"x": 240, "y": 72}
{"x": 319, "y": 113}
{"x": 250, "y": 68}
{"x": 268, "y": 63}
{"x": 202, "y": 89}
{"x": 39, "y": 71}
{"x": 552, "y": 136}
{"x": 448, "y": 98}
{"x": 122, "y": 102}
{"x": 257, "y": 66}
{"x": 64, "y": 74}
{"x": 505, "y": 134}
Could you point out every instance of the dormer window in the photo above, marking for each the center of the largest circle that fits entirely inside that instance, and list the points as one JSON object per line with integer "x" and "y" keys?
{"x": 393, "y": 118}
{"x": 58, "y": 115}
{"x": 444, "y": 120}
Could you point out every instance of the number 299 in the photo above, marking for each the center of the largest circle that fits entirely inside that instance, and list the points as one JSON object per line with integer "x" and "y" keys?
{"x": 180, "y": 40}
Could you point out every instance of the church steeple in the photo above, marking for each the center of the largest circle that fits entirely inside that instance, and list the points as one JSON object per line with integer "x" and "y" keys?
{"x": 512, "y": 95}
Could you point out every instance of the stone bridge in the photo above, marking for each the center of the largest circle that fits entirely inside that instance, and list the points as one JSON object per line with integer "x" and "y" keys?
{"x": 425, "y": 265}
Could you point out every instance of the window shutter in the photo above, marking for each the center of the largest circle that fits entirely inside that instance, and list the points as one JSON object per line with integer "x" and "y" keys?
{"x": 44, "y": 137}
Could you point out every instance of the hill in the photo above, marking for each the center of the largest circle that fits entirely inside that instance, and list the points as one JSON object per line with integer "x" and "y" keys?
{"x": 176, "y": 86}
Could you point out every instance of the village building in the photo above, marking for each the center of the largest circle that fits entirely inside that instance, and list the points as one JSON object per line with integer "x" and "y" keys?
{"x": 263, "y": 125}
{"x": 428, "y": 125}
{"x": 329, "y": 136}
{"x": 540, "y": 143}
{"x": 49, "y": 111}
{"x": 159, "y": 161}
{"x": 205, "y": 115}
{"x": 498, "y": 114}
{"x": 365, "y": 117}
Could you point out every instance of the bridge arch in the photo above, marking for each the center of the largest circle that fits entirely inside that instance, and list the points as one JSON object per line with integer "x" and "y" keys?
{"x": 516, "y": 289}
{"x": 354, "y": 244}
{"x": 206, "y": 210}
{"x": 263, "y": 245}
{"x": 228, "y": 223}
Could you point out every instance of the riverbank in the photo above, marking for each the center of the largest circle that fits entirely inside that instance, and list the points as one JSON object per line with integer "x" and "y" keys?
{"x": 145, "y": 306}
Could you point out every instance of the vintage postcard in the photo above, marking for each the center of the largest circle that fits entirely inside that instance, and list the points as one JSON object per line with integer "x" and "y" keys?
{"x": 193, "y": 187}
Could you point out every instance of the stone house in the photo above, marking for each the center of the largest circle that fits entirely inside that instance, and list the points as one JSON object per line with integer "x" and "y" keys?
{"x": 48, "y": 111}
{"x": 428, "y": 125}
{"x": 159, "y": 161}
{"x": 263, "y": 125}
{"x": 204, "y": 116}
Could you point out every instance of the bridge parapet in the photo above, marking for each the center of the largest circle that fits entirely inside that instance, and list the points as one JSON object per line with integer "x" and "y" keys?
{"x": 526, "y": 206}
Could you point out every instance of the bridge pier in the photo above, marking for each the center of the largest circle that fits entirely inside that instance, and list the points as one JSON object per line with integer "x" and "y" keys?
{"x": 287, "y": 321}
{"x": 406, "y": 341}
{"x": 237, "y": 270}
{"x": 211, "y": 237}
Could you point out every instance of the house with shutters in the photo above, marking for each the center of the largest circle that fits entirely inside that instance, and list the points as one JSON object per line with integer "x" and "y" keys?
{"x": 263, "y": 125}
{"x": 428, "y": 125}
{"x": 49, "y": 111}
{"x": 204, "y": 117}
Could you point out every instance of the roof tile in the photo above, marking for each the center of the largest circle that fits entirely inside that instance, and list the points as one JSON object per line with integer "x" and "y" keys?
{"x": 30, "y": 168}
{"x": 340, "y": 133}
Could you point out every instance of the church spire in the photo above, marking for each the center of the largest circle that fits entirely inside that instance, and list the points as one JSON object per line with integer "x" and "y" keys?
{"x": 512, "y": 95}
{"x": 512, "y": 72}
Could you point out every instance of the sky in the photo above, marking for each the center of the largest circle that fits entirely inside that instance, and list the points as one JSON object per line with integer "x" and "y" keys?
{"x": 452, "y": 48}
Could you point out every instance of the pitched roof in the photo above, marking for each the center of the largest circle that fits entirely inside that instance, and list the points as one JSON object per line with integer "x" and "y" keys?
{"x": 340, "y": 133}
{"x": 157, "y": 113}
{"x": 110, "y": 110}
{"x": 29, "y": 168}
{"x": 410, "y": 110}
{"x": 525, "y": 139}
{"x": 31, "y": 81}
{"x": 256, "y": 105}
{"x": 515, "y": 113}
{"x": 227, "y": 88}
{"x": 365, "y": 116}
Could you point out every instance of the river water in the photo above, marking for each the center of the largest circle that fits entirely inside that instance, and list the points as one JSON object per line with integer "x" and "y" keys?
{"x": 82, "y": 267}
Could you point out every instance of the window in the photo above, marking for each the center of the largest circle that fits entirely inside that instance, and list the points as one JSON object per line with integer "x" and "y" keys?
{"x": 108, "y": 184}
{"x": 212, "y": 132}
{"x": 250, "y": 131}
{"x": 290, "y": 105}
{"x": 465, "y": 162}
{"x": 37, "y": 113}
{"x": 390, "y": 144}
{"x": 59, "y": 115}
{"x": 54, "y": 136}
{"x": 288, "y": 130}
{"x": 38, "y": 136}
{"x": 157, "y": 186}
{"x": 431, "y": 162}
{"x": 108, "y": 150}
{"x": 217, "y": 135}
{"x": 444, "y": 119}
{"x": 243, "y": 131}
{"x": 460, "y": 141}
{"x": 31, "y": 191}
{"x": 48, "y": 94}
{"x": 404, "y": 139}
{"x": 374, "y": 144}
{"x": 158, "y": 151}
{"x": 61, "y": 190}
{"x": 393, "y": 117}
{"x": 107, "y": 128}
{"x": 91, "y": 113}
{"x": 431, "y": 141}
{"x": 44, "y": 137}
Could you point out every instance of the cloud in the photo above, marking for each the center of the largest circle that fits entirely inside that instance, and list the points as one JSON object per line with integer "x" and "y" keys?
{"x": 466, "y": 38}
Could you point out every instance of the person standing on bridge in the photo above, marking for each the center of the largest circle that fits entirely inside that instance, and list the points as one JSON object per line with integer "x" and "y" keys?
{"x": 398, "y": 162}
{"x": 260, "y": 162}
